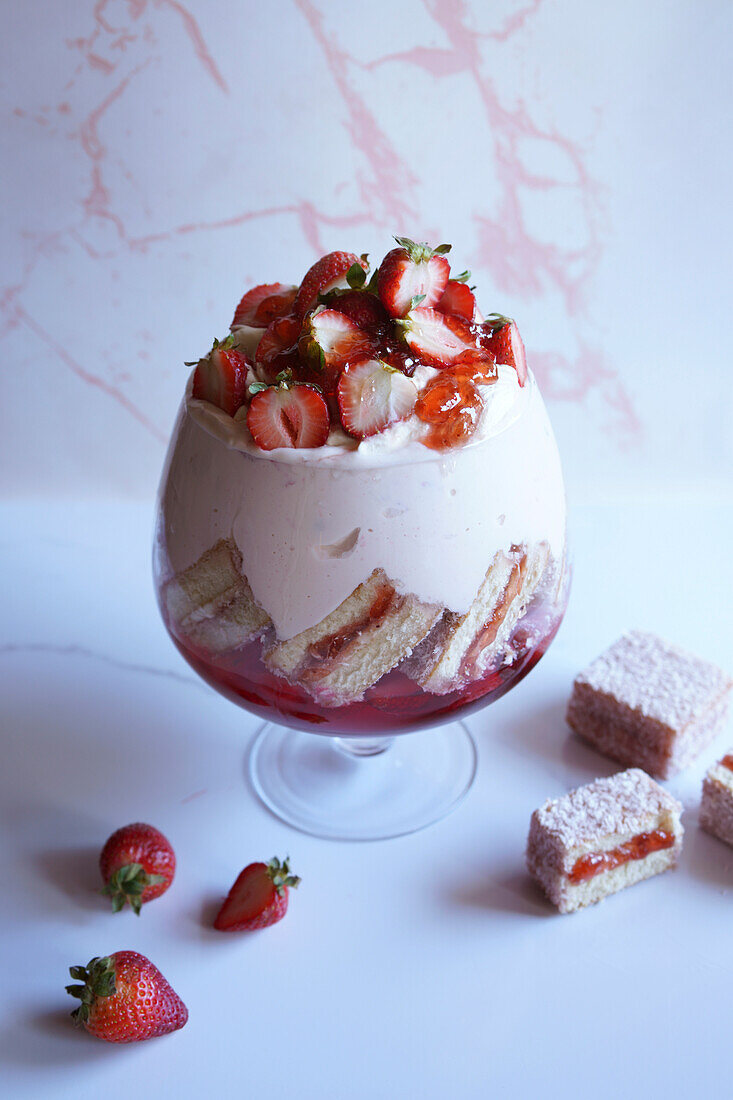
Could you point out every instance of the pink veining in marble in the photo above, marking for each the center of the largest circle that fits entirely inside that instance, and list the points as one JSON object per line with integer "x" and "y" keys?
{"x": 387, "y": 191}
{"x": 123, "y": 40}
{"x": 197, "y": 41}
{"x": 520, "y": 264}
{"x": 86, "y": 376}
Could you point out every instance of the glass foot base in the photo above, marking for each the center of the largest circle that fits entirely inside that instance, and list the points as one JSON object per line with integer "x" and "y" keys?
{"x": 362, "y": 788}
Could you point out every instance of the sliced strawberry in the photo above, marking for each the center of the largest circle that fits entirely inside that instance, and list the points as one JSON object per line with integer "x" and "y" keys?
{"x": 261, "y": 305}
{"x": 437, "y": 338}
{"x": 288, "y": 415}
{"x": 221, "y": 377}
{"x": 412, "y": 271}
{"x": 278, "y": 348}
{"x": 330, "y": 339}
{"x": 372, "y": 395}
{"x": 326, "y": 274}
{"x": 501, "y": 337}
{"x": 258, "y": 898}
{"x": 458, "y": 298}
{"x": 363, "y": 308}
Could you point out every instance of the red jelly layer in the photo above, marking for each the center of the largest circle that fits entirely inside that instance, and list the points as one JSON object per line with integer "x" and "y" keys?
{"x": 727, "y": 762}
{"x": 395, "y": 704}
{"x": 595, "y": 863}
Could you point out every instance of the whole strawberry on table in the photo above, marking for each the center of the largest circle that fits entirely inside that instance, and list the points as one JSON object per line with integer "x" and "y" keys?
{"x": 137, "y": 864}
{"x": 124, "y": 998}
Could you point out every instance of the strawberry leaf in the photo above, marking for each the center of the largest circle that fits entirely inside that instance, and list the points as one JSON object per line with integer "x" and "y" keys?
{"x": 127, "y": 886}
{"x": 280, "y": 874}
{"x": 498, "y": 320}
{"x": 356, "y": 276}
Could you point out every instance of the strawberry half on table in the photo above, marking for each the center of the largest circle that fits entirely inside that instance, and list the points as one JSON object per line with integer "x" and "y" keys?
{"x": 125, "y": 999}
{"x": 137, "y": 864}
{"x": 258, "y": 898}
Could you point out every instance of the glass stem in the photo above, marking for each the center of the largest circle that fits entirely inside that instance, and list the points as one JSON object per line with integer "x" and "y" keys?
{"x": 363, "y": 746}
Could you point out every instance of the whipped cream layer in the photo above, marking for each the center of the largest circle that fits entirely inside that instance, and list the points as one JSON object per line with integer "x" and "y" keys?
{"x": 311, "y": 525}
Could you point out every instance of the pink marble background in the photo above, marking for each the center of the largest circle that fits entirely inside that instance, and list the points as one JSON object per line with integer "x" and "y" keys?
{"x": 161, "y": 156}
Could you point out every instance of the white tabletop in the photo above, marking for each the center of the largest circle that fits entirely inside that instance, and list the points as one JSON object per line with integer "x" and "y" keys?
{"x": 424, "y": 967}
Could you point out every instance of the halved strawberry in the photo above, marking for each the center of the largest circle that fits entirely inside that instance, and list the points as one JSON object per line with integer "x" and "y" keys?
{"x": 458, "y": 298}
{"x": 372, "y": 395}
{"x": 501, "y": 337}
{"x": 221, "y": 377}
{"x": 330, "y": 339}
{"x": 412, "y": 271}
{"x": 258, "y": 898}
{"x": 261, "y": 305}
{"x": 278, "y": 348}
{"x": 362, "y": 307}
{"x": 326, "y": 274}
{"x": 291, "y": 414}
{"x": 437, "y": 338}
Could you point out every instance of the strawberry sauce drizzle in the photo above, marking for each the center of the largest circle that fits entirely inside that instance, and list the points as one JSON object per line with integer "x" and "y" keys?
{"x": 639, "y": 847}
{"x": 727, "y": 762}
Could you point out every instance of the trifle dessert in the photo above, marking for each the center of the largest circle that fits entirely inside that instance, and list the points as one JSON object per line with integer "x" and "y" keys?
{"x": 362, "y": 516}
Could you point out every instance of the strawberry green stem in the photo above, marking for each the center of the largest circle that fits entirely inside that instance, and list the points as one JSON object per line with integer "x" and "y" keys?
{"x": 127, "y": 885}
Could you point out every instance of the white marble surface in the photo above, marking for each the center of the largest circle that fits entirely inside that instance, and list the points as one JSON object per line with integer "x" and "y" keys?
{"x": 424, "y": 967}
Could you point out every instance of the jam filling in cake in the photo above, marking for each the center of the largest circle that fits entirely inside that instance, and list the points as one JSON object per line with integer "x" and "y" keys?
{"x": 639, "y": 847}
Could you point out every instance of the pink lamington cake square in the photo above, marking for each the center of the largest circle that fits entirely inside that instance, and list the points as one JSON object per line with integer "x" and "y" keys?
{"x": 600, "y": 838}
{"x": 716, "y": 810}
{"x": 648, "y": 704}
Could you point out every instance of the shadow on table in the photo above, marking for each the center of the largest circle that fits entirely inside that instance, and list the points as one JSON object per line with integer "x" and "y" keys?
{"x": 206, "y": 915}
{"x": 541, "y": 733}
{"x": 74, "y": 871}
{"x": 514, "y": 892}
{"x": 705, "y": 857}
{"x": 49, "y": 1038}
